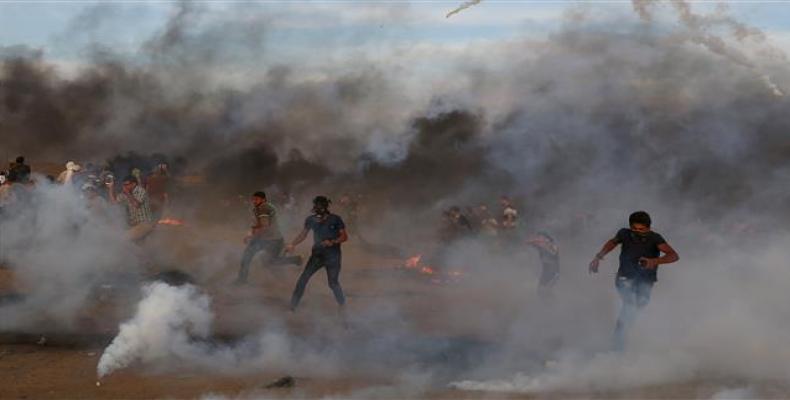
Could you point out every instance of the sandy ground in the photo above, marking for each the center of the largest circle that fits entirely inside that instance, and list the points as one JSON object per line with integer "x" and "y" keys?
{"x": 65, "y": 365}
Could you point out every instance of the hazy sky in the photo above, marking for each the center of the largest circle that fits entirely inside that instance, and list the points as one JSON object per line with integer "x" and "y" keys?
{"x": 302, "y": 30}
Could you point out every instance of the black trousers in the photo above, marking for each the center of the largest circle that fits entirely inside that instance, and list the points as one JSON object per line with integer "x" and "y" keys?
{"x": 326, "y": 258}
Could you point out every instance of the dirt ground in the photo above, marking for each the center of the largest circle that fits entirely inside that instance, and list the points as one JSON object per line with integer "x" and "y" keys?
{"x": 63, "y": 365}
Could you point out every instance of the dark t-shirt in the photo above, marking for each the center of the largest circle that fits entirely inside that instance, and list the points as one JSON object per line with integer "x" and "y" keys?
{"x": 22, "y": 172}
{"x": 634, "y": 247}
{"x": 326, "y": 229}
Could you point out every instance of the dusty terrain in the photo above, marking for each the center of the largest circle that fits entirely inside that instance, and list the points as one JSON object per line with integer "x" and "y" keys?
{"x": 47, "y": 363}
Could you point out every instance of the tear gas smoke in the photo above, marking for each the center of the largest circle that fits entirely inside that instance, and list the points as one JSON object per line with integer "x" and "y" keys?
{"x": 62, "y": 251}
{"x": 735, "y": 394}
{"x": 167, "y": 323}
{"x": 685, "y": 122}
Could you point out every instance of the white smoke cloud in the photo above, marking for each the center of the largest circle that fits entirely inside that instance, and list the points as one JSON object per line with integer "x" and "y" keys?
{"x": 581, "y": 98}
{"x": 605, "y": 371}
{"x": 741, "y": 393}
{"x": 165, "y": 327}
{"x": 60, "y": 251}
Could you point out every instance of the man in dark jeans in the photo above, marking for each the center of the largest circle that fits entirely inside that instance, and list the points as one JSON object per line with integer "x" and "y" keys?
{"x": 640, "y": 257}
{"x": 329, "y": 232}
{"x": 264, "y": 236}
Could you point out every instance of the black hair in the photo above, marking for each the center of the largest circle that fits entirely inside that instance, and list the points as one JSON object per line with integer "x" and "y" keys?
{"x": 322, "y": 201}
{"x": 130, "y": 178}
{"x": 259, "y": 194}
{"x": 20, "y": 160}
{"x": 639, "y": 217}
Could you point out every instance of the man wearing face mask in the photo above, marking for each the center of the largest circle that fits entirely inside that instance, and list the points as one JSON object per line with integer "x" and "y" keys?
{"x": 329, "y": 232}
{"x": 640, "y": 256}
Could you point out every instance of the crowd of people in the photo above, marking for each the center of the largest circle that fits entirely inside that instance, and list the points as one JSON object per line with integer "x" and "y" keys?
{"x": 498, "y": 231}
{"x": 144, "y": 196}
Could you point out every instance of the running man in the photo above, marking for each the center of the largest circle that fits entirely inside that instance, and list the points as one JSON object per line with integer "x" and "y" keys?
{"x": 264, "y": 236}
{"x": 640, "y": 256}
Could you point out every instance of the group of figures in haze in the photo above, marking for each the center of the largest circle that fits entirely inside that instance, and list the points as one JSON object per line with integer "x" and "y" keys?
{"x": 144, "y": 195}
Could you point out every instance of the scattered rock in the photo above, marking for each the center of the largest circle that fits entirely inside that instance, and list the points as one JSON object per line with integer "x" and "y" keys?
{"x": 284, "y": 382}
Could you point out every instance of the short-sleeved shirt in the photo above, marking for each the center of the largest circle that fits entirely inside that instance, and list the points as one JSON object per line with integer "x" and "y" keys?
{"x": 327, "y": 229}
{"x": 140, "y": 213}
{"x": 268, "y": 212}
{"x": 633, "y": 247}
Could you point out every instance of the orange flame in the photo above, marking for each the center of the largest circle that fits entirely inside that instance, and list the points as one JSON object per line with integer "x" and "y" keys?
{"x": 436, "y": 276}
{"x": 427, "y": 270}
{"x": 171, "y": 221}
{"x": 413, "y": 262}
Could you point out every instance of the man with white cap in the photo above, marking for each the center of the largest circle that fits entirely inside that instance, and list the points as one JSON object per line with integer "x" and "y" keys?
{"x": 67, "y": 175}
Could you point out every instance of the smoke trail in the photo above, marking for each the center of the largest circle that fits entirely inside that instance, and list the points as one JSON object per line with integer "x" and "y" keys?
{"x": 642, "y": 8}
{"x": 701, "y": 30}
{"x": 462, "y": 7}
{"x": 165, "y": 327}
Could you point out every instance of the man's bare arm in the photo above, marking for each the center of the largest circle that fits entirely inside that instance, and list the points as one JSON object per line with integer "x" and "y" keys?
{"x": 670, "y": 256}
{"x": 607, "y": 247}
{"x": 298, "y": 239}
{"x": 342, "y": 237}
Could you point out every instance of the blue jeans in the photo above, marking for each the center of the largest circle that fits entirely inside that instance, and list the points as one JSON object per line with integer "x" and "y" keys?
{"x": 635, "y": 294}
{"x": 320, "y": 258}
